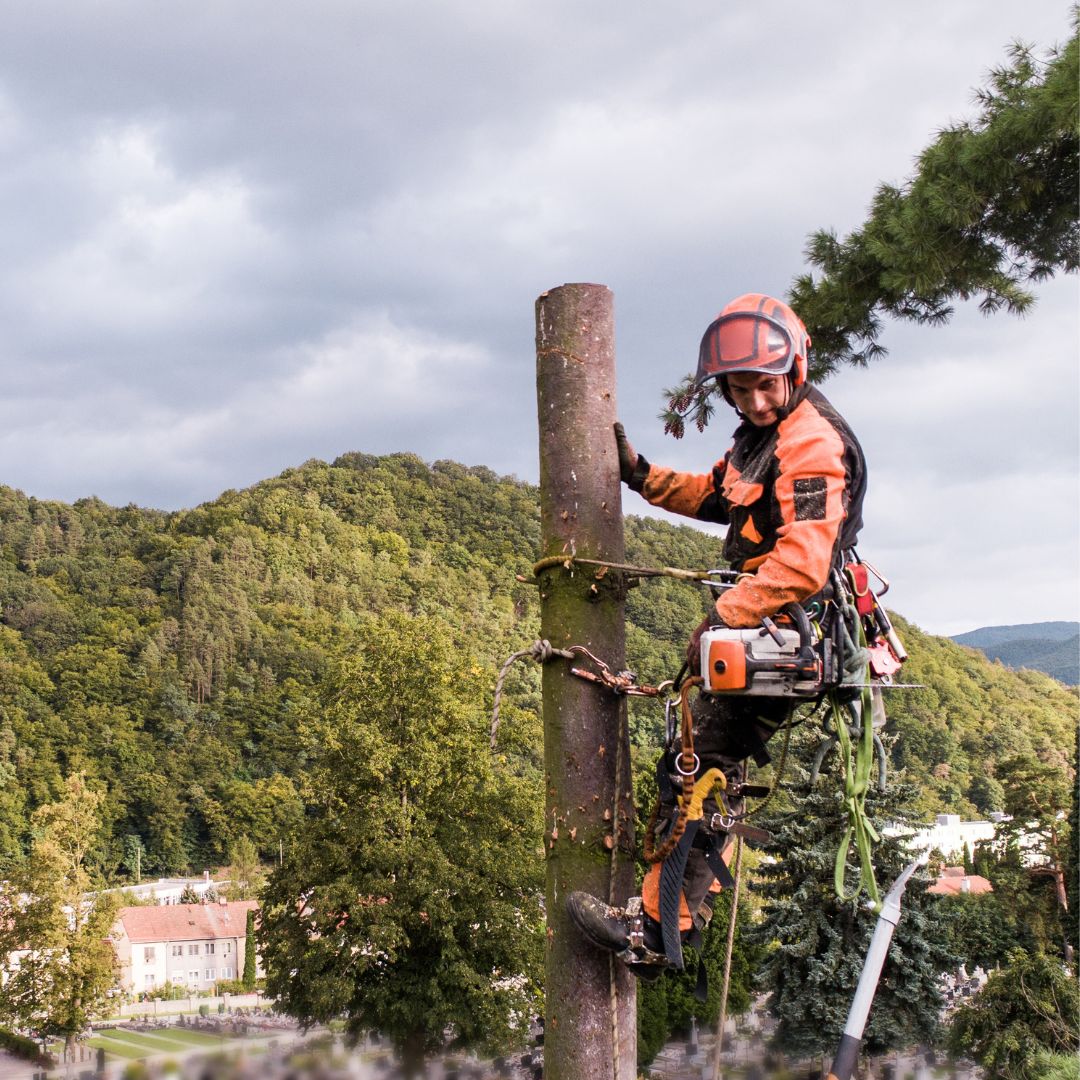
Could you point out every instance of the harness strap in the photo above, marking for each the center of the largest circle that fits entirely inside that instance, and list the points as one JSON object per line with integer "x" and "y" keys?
{"x": 671, "y": 891}
{"x": 687, "y": 767}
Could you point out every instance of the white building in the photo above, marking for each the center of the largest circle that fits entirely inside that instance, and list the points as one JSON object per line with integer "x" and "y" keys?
{"x": 948, "y": 834}
{"x": 169, "y": 890}
{"x": 192, "y": 945}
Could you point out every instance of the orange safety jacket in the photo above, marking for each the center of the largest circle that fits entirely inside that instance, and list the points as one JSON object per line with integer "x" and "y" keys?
{"x": 791, "y": 494}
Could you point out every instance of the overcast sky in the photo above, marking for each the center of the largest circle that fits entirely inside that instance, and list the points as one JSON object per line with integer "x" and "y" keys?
{"x": 237, "y": 236}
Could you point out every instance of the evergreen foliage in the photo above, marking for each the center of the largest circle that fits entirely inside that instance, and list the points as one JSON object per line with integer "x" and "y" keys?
{"x": 817, "y": 944}
{"x": 983, "y": 929}
{"x": 991, "y": 207}
{"x": 248, "y": 976}
{"x": 1024, "y": 1012}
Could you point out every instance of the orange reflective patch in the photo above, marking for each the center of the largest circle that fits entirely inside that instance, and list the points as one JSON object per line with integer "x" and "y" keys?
{"x": 650, "y": 897}
{"x": 749, "y": 532}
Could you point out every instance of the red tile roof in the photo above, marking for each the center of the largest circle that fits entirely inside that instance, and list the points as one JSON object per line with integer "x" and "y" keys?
{"x": 952, "y": 883}
{"x": 186, "y": 922}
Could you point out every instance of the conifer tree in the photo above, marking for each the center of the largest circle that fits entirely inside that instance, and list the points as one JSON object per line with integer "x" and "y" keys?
{"x": 249, "y": 952}
{"x": 819, "y": 942}
{"x": 991, "y": 207}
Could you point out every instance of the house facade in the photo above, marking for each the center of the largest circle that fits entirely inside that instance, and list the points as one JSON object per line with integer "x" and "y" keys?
{"x": 192, "y": 945}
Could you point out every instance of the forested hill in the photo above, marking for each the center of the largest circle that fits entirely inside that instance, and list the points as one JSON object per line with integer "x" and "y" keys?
{"x": 171, "y": 656}
{"x": 1053, "y": 647}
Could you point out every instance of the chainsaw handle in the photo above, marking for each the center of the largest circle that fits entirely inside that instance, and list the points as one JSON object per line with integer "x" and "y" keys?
{"x": 797, "y": 614}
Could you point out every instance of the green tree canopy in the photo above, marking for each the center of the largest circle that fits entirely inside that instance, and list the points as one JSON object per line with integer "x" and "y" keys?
{"x": 991, "y": 206}
{"x": 1024, "y": 1011}
{"x": 57, "y": 965}
{"x": 819, "y": 943}
{"x": 410, "y": 898}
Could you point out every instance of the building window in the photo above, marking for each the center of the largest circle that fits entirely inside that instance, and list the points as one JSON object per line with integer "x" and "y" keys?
{"x": 227, "y": 948}
{"x": 148, "y": 982}
{"x": 193, "y": 950}
{"x": 148, "y": 954}
{"x": 209, "y": 948}
{"x": 226, "y": 972}
{"x": 178, "y": 950}
{"x": 211, "y": 974}
{"x": 192, "y": 976}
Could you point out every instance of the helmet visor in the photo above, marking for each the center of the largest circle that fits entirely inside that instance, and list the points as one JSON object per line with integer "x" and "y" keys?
{"x": 745, "y": 341}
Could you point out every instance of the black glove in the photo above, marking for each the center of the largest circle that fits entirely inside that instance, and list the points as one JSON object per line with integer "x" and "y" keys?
{"x": 633, "y": 468}
{"x": 693, "y": 650}
{"x": 627, "y": 454}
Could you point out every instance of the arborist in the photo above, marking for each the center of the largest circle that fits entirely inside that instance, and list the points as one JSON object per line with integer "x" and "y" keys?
{"x": 790, "y": 489}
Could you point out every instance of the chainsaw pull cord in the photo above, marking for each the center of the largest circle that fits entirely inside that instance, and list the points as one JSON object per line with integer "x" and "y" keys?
{"x": 857, "y": 761}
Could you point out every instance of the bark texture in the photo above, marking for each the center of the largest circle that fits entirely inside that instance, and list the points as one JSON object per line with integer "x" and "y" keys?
{"x": 590, "y": 810}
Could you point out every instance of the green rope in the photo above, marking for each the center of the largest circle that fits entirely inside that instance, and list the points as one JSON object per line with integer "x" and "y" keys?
{"x": 858, "y": 762}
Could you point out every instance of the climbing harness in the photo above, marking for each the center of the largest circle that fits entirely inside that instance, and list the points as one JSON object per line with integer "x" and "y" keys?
{"x": 837, "y": 652}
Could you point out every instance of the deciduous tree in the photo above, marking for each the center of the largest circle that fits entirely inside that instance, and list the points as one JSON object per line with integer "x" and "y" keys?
{"x": 409, "y": 900}
{"x": 1026, "y": 1010}
{"x": 57, "y": 966}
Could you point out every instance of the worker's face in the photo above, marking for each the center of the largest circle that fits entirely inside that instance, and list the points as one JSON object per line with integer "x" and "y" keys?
{"x": 758, "y": 396}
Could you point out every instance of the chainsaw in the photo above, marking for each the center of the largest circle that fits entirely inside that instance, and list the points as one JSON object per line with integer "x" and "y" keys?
{"x": 790, "y": 656}
{"x": 785, "y": 657}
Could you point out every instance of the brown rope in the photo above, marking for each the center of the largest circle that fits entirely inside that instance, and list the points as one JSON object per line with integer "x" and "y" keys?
{"x": 687, "y": 770}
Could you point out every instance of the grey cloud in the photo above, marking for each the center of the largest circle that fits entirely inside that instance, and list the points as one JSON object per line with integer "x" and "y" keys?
{"x": 308, "y": 170}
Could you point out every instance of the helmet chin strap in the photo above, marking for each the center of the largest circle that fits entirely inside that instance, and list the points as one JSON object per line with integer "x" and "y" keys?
{"x": 784, "y": 411}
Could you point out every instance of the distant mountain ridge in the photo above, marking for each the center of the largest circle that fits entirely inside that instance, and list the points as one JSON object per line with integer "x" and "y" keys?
{"x": 1050, "y": 647}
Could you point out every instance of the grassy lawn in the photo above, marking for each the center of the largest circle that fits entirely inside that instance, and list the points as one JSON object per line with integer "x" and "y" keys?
{"x": 139, "y": 1044}
{"x": 116, "y": 1048}
{"x": 156, "y": 1042}
{"x": 135, "y": 1045}
{"x": 195, "y": 1038}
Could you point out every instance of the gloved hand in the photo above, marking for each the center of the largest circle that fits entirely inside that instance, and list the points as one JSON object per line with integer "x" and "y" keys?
{"x": 628, "y": 457}
{"x": 693, "y": 650}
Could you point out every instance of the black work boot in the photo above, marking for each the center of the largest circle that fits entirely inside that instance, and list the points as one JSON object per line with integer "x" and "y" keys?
{"x": 628, "y": 932}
